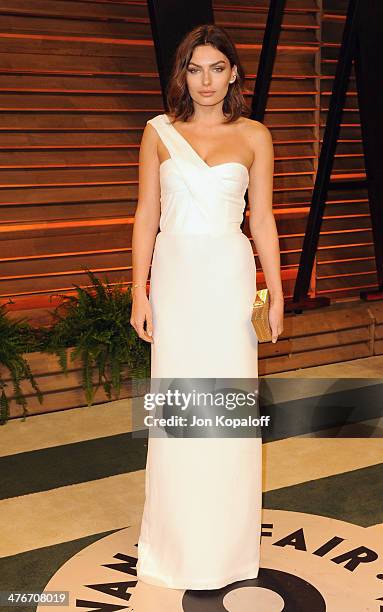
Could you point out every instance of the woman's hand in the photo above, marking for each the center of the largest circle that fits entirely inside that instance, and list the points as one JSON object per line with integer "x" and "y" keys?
{"x": 141, "y": 311}
{"x": 276, "y": 310}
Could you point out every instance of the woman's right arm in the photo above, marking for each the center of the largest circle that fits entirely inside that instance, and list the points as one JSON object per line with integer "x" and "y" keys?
{"x": 146, "y": 223}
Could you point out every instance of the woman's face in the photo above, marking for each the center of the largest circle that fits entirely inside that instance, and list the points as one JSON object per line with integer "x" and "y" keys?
{"x": 208, "y": 74}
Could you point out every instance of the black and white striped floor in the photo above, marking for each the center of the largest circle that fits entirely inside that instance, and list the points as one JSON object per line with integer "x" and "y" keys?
{"x": 72, "y": 493}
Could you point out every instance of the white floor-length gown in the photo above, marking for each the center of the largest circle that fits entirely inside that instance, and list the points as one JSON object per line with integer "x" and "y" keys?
{"x": 202, "y": 516}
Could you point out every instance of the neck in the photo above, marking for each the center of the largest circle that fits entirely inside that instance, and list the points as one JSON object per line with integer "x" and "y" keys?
{"x": 208, "y": 115}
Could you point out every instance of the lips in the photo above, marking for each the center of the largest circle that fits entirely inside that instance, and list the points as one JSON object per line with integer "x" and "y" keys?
{"x": 207, "y": 93}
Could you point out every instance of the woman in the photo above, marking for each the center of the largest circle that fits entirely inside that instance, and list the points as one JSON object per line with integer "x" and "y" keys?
{"x": 202, "y": 516}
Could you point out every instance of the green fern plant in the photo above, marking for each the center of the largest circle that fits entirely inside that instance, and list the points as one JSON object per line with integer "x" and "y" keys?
{"x": 96, "y": 324}
{"x": 17, "y": 338}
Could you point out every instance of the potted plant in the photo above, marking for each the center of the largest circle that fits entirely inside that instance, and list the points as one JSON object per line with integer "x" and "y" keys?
{"x": 17, "y": 338}
{"x": 96, "y": 323}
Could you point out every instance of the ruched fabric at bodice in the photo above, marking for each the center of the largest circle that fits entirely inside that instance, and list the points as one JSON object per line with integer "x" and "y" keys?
{"x": 197, "y": 198}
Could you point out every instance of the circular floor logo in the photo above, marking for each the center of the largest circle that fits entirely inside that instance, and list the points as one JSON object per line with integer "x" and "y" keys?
{"x": 308, "y": 563}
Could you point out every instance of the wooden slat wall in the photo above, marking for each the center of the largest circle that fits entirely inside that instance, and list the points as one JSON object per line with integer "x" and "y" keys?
{"x": 345, "y": 260}
{"x": 78, "y": 80}
{"x": 292, "y": 112}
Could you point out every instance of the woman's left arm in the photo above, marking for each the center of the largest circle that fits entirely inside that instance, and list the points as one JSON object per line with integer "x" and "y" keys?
{"x": 262, "y": 222}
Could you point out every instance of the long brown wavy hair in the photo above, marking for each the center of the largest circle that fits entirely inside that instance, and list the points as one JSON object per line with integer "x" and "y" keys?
{"x": 179, "y": 102}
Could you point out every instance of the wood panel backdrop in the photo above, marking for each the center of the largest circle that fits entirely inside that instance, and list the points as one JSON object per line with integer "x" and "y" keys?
{"x": 79, "y": 80}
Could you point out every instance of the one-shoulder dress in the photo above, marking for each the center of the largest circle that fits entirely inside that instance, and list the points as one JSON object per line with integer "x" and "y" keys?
{"x": 201, "y": 524}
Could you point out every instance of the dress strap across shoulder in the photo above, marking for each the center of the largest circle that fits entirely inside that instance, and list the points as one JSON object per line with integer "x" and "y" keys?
{"x": 204, "y": 185}
{"x": 158, "y": 122}
{"x": 174, "y": 142}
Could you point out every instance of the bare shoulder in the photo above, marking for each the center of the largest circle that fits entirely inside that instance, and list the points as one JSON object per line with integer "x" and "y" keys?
{"x": 255, "y": 131}
{"x": 259, "y": 140}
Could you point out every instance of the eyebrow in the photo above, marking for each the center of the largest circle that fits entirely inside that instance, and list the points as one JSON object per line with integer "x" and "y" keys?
{"x": 214, "y": 64}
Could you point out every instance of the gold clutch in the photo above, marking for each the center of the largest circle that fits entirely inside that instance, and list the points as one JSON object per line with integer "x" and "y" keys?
{"x": 260, "y": 316}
